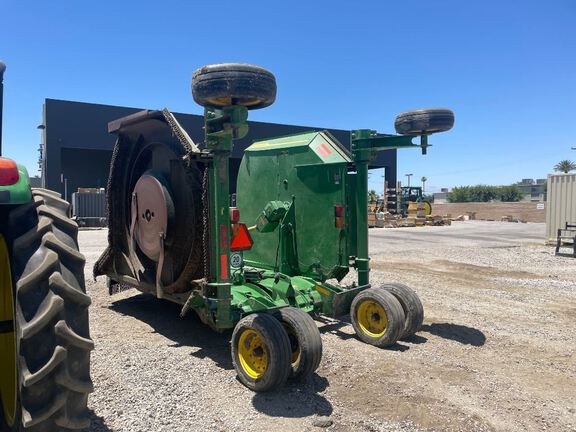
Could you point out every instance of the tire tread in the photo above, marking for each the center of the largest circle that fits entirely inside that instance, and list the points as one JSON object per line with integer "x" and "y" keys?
{"x": 48, "y": 272}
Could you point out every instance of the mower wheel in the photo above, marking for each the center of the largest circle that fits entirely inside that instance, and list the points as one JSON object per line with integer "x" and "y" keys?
{"x": 424, "y": 121}
{"x": 411, "y": 304}
{"x": 305, "y": 341}
{"x": 377, "y": 317}
{"x": 51, "y": 320}
{"x": 226, "y": 84}
{"x": 261, "y": 352}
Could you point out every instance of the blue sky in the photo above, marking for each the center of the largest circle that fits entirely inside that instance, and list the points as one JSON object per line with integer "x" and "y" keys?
{"x": 506, "y": 68}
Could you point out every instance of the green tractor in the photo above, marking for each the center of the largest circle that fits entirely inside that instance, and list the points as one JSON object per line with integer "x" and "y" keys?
{"x": 414, "y": 194}
{"x": 266, "y": 266}
{"x": 44, "y": 337}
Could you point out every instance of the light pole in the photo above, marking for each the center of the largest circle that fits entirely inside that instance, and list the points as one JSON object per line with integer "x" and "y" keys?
{"x": 408, "y": 175}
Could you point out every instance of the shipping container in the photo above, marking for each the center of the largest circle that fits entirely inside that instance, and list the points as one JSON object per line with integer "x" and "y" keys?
{"x": 561, "y": 206}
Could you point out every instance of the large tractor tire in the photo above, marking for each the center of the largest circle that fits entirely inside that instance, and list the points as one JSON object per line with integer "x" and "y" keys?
{"x": 51, "y": 333}
{"x": 226, "y": 84}
{"x": 427, "y": 207}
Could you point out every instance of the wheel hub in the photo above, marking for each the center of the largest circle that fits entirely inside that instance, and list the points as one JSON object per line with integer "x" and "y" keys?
{"x": 252, "y": 353}
{"x": 372, "y": 318}
{"x": 152, "y": 209}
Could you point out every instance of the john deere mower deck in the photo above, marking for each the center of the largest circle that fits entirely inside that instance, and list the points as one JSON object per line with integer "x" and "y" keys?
{"x": 44, "y": 338}
{"x": 265, "y": 267}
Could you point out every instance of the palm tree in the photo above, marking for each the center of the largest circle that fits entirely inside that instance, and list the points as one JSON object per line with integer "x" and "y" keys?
{"x": 372, "y": 196}
{"x": 565, "y": 166}
{"x": 423, "y": 180}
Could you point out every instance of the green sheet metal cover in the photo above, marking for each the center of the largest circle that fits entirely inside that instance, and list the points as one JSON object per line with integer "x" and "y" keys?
{"x": 326, "y": 150}
{"x": 308, "y": 169}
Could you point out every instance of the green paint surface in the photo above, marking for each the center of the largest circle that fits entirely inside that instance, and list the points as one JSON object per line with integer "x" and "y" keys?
{"x": 18, "y": 193}
{"x": 308, "y": 173}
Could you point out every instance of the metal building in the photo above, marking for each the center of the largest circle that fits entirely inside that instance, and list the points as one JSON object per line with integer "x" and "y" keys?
{"x": 561, "y": 205}
{"x": 76, "y": 148}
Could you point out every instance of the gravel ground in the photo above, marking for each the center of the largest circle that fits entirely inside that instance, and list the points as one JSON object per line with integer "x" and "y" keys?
{"x": 496, "y": 351}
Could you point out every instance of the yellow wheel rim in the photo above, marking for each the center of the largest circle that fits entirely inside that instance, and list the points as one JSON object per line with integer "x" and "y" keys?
{"x": 372, "y": 318}
{"x": 253, "y": 353}
{"x": 427, "y": 208}
{"x": 8, "y": 386}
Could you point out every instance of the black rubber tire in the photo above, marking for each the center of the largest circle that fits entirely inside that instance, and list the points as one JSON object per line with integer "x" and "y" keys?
{"x": 411, "y": 304}
{"x": 305, "y": 336}
{"x": 394, "y": 314}
{"x": 424, "y": 121}
{"x": 53, "y": 340}
{"x": 278, "y": 352}
{"x": 226, "y": 84}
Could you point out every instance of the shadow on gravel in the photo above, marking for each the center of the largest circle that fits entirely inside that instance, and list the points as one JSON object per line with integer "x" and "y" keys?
{"x": 416, "y": 339}
{"x": 97, "y": 423}
{"x": 333, "y": 327}
{"x": 459, "y": 333}
{"x": 164, "y": 317}
{"x": 295, "y": 400}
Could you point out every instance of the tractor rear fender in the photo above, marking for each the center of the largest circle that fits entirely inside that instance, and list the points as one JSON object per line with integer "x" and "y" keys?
{"x": 16, "y": 193}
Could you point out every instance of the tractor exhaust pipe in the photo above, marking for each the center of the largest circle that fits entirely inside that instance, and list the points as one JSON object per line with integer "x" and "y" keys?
{"x": 2, "y": 69}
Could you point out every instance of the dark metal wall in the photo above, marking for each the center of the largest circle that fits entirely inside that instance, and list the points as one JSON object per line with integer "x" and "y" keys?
{"x": 77, "y": 147}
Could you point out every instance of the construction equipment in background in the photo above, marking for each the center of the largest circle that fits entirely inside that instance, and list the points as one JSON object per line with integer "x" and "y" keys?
{"x": 413, "y": 194}
{"x": 44, "y": 336}
{"x": 264, "y": 267}
{"x": 397, "y": 200}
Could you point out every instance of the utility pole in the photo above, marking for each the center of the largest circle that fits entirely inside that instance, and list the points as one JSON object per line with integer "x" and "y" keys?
{"x": 408, "y": 175}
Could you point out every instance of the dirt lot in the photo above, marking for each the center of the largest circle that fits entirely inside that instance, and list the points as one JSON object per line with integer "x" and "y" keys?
{"x": 496, "y": 351}
{"x": 525, "y": 211}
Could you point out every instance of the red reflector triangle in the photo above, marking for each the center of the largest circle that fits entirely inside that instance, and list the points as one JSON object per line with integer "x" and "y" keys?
{"x": 241, "y": 239}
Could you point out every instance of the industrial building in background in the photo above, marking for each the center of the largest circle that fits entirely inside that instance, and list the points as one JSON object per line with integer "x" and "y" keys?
{"x": 533, "y": 190}
{"x": 76, "y": 148}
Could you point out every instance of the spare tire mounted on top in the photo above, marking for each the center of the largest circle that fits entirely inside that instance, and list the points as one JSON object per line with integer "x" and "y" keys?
{"x": 424, "y": 121}
{"x": 227, "y": 84}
